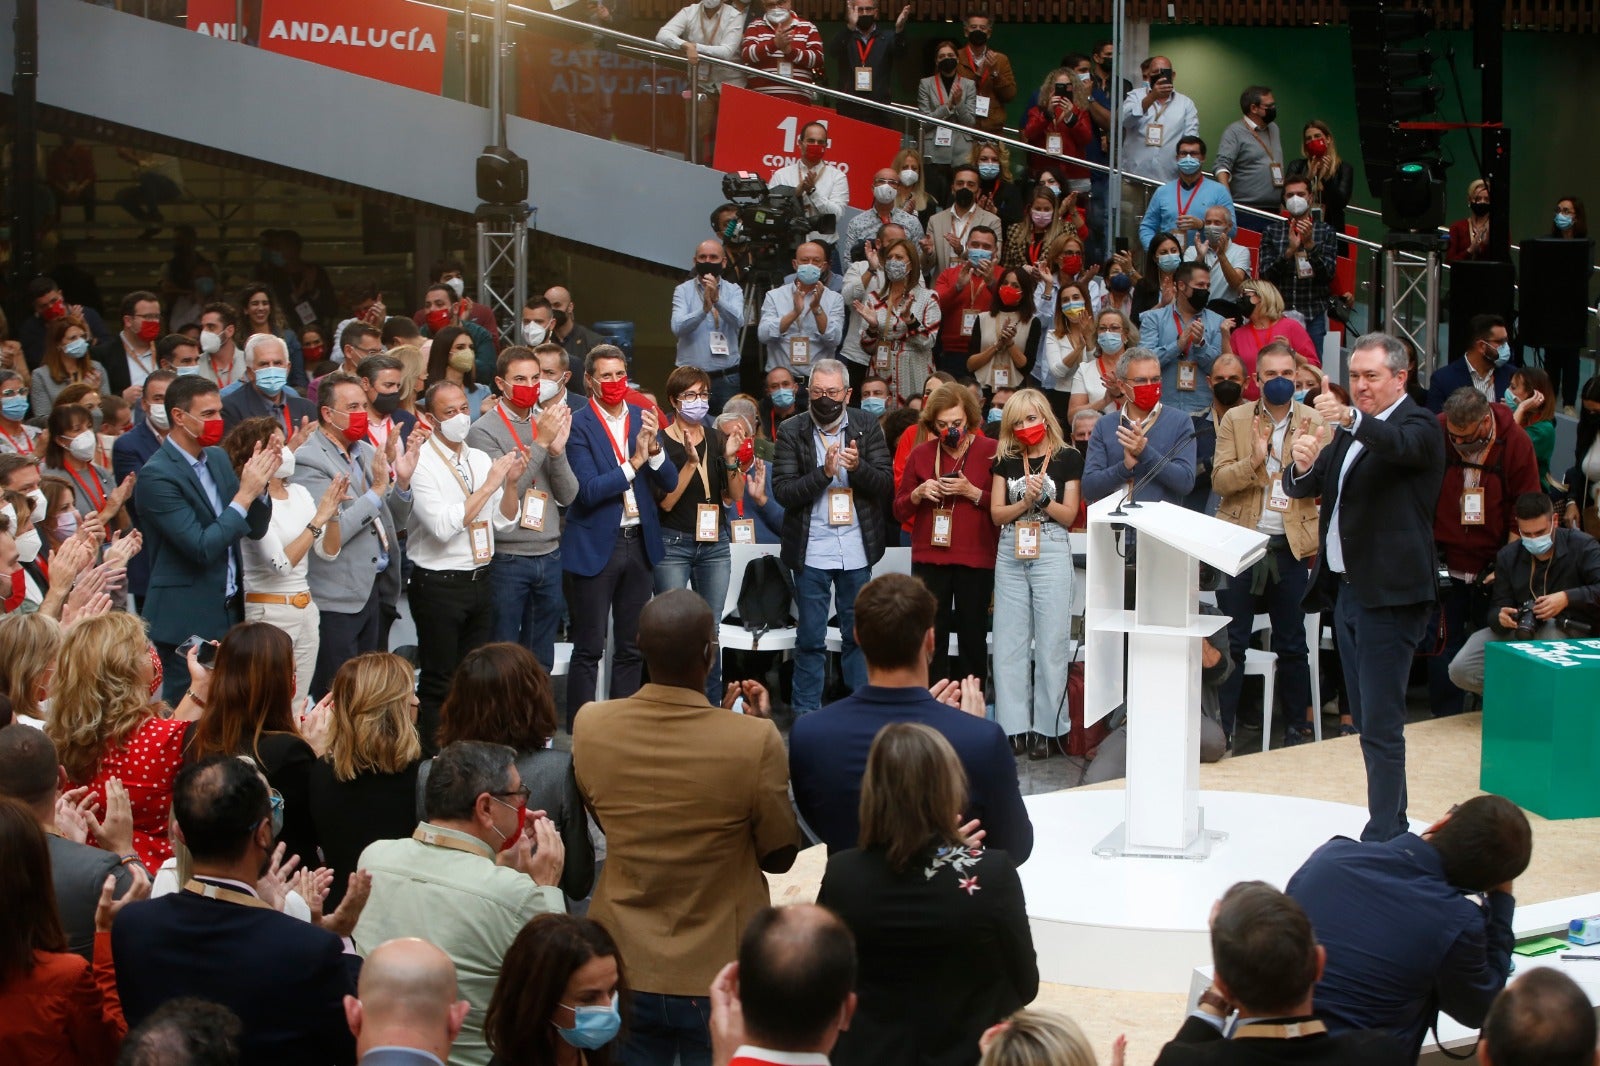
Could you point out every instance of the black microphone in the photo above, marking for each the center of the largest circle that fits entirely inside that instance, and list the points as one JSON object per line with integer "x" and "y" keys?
{"x": 1187, "y": 436}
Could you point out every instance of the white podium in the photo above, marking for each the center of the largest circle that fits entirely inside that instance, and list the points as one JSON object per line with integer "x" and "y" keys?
{"x": 1159, "y": 642}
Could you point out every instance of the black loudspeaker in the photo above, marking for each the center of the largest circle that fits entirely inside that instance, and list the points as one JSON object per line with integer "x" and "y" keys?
{"x": 1478, "y": 289}
{"x": 502, "y": 176}
{"x": 1555, "y": 292}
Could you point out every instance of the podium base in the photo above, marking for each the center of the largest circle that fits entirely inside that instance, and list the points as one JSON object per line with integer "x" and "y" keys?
{"x": 1115, "y": 845}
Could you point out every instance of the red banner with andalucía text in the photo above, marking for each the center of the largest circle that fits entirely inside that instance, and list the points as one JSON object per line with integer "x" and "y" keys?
{"x": 761, "y": 133}
{"x": 391, "y": 40}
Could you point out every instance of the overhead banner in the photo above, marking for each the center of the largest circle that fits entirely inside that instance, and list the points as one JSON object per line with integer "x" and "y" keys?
{"x": 761, "y": 133}
{"x": 391, "y": 40}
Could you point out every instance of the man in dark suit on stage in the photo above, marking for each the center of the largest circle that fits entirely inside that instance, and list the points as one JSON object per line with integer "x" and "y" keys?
{"x": 1267, "y": 963}
{"x": 1378, "y": 475}
{"x": 218, "y": 940}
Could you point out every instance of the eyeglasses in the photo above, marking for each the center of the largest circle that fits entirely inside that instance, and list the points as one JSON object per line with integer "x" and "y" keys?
{"x": 694, "y": 396}
{"x": 832, "y": 394}
{"x": 367, "y": 353}
{"x": 8, "y": 393}
{"x": 520, "y": 795}
{"x": 1144, "y": 381}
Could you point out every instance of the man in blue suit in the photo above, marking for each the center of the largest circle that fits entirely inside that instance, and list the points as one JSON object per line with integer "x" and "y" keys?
{"x": 193, "y": 511}
{"x": 218, "y": 940}
{"x": 1486, "y": 367}
{"x": 894, "y": 616}
{"x": 133, "y": 449}
{"x": 612, "y": 538}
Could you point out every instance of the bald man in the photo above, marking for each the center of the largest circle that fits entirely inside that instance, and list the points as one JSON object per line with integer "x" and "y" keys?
{"x": 707, "y": 315}
{"x": 694, "y": 801}
{"x": 405, "y": 1011}
{"x": 576, "y": 339}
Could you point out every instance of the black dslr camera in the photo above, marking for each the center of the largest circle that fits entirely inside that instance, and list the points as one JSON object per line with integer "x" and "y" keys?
{"x": 1526, "y": 621}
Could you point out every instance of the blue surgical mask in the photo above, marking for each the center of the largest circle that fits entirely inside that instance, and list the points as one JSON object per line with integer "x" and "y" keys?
{"x": 1110, "y": 343}
{"x": 1188, "y": 165}
{"x": 592, "y": 1027}
{"x": 979, "y": 257}
{"x": 272, "y": 379}
{"x": 1300, "y": 395}
{"x": 14, "y": 407}
{"x": 1563, "y": 221}
{"x": 1168, "y": 262}
{"x": 76, "y": 348}
{"x": 1278, "y": 391}
{"x": 1502, "y": 355}
{"x": 186, "y": 371}
{"x": 783, "y": 398}
{"x": 205, "y": 286}
{"x": 1539, "y": 545}
{"x": 995, "y": 413}
{"x": 808, "y": 273}
{"x": 874, "y": 405}
{"x": 988, "y": 171}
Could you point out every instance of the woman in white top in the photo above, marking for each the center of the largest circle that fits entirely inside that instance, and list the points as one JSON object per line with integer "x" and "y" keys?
{"x": 275, "y": 587}
{"x": 899, "y": 319}
{"x": 1096, "y": 384}
{"x": 1005, "y": 338}
{"x": 1067, "y": 344}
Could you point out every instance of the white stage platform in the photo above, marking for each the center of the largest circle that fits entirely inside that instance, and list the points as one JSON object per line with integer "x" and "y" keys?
{"x": 1140, "y": 924}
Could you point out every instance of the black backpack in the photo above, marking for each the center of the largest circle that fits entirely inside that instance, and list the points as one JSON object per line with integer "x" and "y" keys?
{"x": 765, "y": 598}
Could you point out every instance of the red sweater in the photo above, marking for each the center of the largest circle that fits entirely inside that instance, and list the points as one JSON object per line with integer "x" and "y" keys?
{"x": 1076, "y": 133}
{"x": 955, "y": 298}
{"x": 804, "y": 56}
{"x": 1510, "y": 470}
{"x": 974, "y": 538}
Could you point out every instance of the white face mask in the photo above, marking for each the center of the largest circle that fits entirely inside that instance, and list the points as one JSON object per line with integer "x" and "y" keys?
{"x": 710, "y": 5}
{"x": 457, "y": 286}
{"x": 286, "y": 465}
{"x": 455, "y": 427}
{"x": 82, "y": 446}
{"x": 210, "y": 343}
{"x": 548, "y": 390}
{"x": 40, "y": 504}
{"x": 778, "y": 16}
{"x": 1297, "y": 205}
{"x": 884, "y": 194}
{"x": 29, "y": 545}
{"x": 534, "y": 334}
{"x": 908, "y": 177}
{"x": 158, "y": 417}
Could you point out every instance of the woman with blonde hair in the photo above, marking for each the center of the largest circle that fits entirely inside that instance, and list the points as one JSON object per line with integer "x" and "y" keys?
{"x": 1067, "y": 344}
{"x": 1096, "y": 384}
{"x": 29, "y": 644}
{"x": 415, "y": 382}
{"x": 1034, "y": 501}
{"x": 364, "y": 787}
{"x": 1265, "y": 323}
{"x": 107, "y": 720}
{"x": 1042, "y": 1038}
{"x": 914, "y": 197}
{"x": 1332, "y": 180}
{"x": 997, "y": 193}
{"x": 910, "y": 882}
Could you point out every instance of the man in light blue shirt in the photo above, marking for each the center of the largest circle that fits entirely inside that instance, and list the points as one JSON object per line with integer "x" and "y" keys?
{"x": 707, "y": 314}
{"x": 802, "y": 322}
{"x": 1179, "y": 206}
{"x": 1187, "y": 338}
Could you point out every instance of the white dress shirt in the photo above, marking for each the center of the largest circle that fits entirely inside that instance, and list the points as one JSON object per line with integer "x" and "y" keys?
{"x": 830, "y": 195}
{"x": 616, "y": 427}
{"x": 1179, "y": 118}
{"x": 437, "y": 537}
{"x": 1336, "y": 545}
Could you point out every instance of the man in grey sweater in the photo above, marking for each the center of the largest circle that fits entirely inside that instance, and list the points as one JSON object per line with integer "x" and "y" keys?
{"x": 526, "y": 571}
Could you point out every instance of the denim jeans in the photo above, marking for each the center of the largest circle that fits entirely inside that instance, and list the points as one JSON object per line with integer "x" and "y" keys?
{"x": 1033, "y": 633}
{"x": 1376, "y": 645}
{"x": 811, "y": 588}
{"x": 1288, "y": 638}
{"x": 665, "y": 1030}
{"x": 687, "y": 563}
{"x": 528, "y": 602}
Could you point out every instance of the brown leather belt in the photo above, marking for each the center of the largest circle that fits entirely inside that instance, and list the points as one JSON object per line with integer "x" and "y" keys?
{"x": 301, "y": 600}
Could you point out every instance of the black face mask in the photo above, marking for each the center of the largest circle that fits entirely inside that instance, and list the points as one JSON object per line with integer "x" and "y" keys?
{"x": 560, "y": 317}
{"x": 865, "y": 23}
{"x": 1105, "y": 64}
{"x": 1198, "y": 298}
{"x": 702, "y": 269}
{"x": 1270, "y": 116}
{"x": 964, "y": 198}
{"x": 1479, "y": 209}
{"x": 977, "y": 38}
{"x": 386, "y": 403}
{"x": 825, "y": 410}
{"x": 1227, "y": 392}
{"x": 947, "y": 66}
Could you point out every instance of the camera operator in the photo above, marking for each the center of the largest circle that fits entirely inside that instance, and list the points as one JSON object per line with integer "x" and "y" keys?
{"x": 1547, "y": 587}
{"x": 823, "y": 188}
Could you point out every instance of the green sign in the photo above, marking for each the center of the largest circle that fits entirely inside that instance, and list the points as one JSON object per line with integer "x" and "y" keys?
{"x": 1541, "y": 725}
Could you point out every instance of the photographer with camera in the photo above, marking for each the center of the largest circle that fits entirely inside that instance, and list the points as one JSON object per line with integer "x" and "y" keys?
{"x": 1546, "y": 587}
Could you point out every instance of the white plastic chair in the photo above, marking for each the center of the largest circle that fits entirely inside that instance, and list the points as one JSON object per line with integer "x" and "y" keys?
{"x": 1264, "y": 664}
{"x": 737, "y": 637}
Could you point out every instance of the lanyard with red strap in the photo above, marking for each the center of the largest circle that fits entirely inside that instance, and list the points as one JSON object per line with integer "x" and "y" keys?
{"x": 606, "y": 425}
{"x": 1177, "y": 196}
{"x": 980, "y": 73}
{"x": 515, "y": 436}
{"x": 864, "y": 49}
{"x": 938, "y": 88}
{"x": 99, "y": 489}
{"x": 24, "y": 448}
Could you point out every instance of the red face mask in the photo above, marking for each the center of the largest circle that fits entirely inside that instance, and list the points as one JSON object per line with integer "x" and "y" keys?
{"x": 522, "y": 823}
{"x": 357, "y": 429}
{"x": 313, "y": 353}
{"x": 1031, "y": 435}
{"x": 438, "y": 318}
{"x": 747, "y": 452}
{"x": 53, "y": 311}
{"x": 149, "y": 331}
{"x": 1072, "y": 264}
{"x": 813, "y": 153}
{"x": 1010, "y": 295}
{"x": 211, "y": 434}
{"x": 613, "y": 392}
{"x": 524, "y": 395}
{"x": 1147, "y": 396}
{"x": 1316, "y": 148}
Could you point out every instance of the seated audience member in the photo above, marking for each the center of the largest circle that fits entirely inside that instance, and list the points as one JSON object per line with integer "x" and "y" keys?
{"x": 107, "y": 721}
{"x": 217, "y": 939}
{"x": 1550, "y": 568}
{"x": 445, "y": 879}
{"x": 30, "y": 774}
{"x": 560, "y": 997}
{"x": 1127, "y": 445}
{"x": 1543, "y": 1018}
{"x": 54, "y": 1009}
{"x": 694, "y": 803}
{"x": 1041, "y": 1038}
{"x": 1441, "y": 938}
{"x": 792, "y": 991}
{"x": 828, "y": 750}
{"x": 925, "y": 997}
{"x": 184, "y": 1032}
{"x": 1267, "y": 962}
{"x": 405, "y": 1011}
{"x": 363, "y": 787}
{"x": 501, "y": 695}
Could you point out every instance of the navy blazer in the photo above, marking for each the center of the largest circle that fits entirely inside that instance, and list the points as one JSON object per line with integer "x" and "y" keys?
{"x": 1456, "y": 374}
{"x": 128, "y": 456}
{"x": 595, "y": 517}
{"x": 285, "y": 979}
{"x": 828, "y": 758}
{"x": 189, "y": 544}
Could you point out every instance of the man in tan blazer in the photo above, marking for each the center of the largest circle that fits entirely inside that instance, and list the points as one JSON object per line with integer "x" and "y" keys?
{"x": 1252, "y": 451}
{"x": 694, "y": 802}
